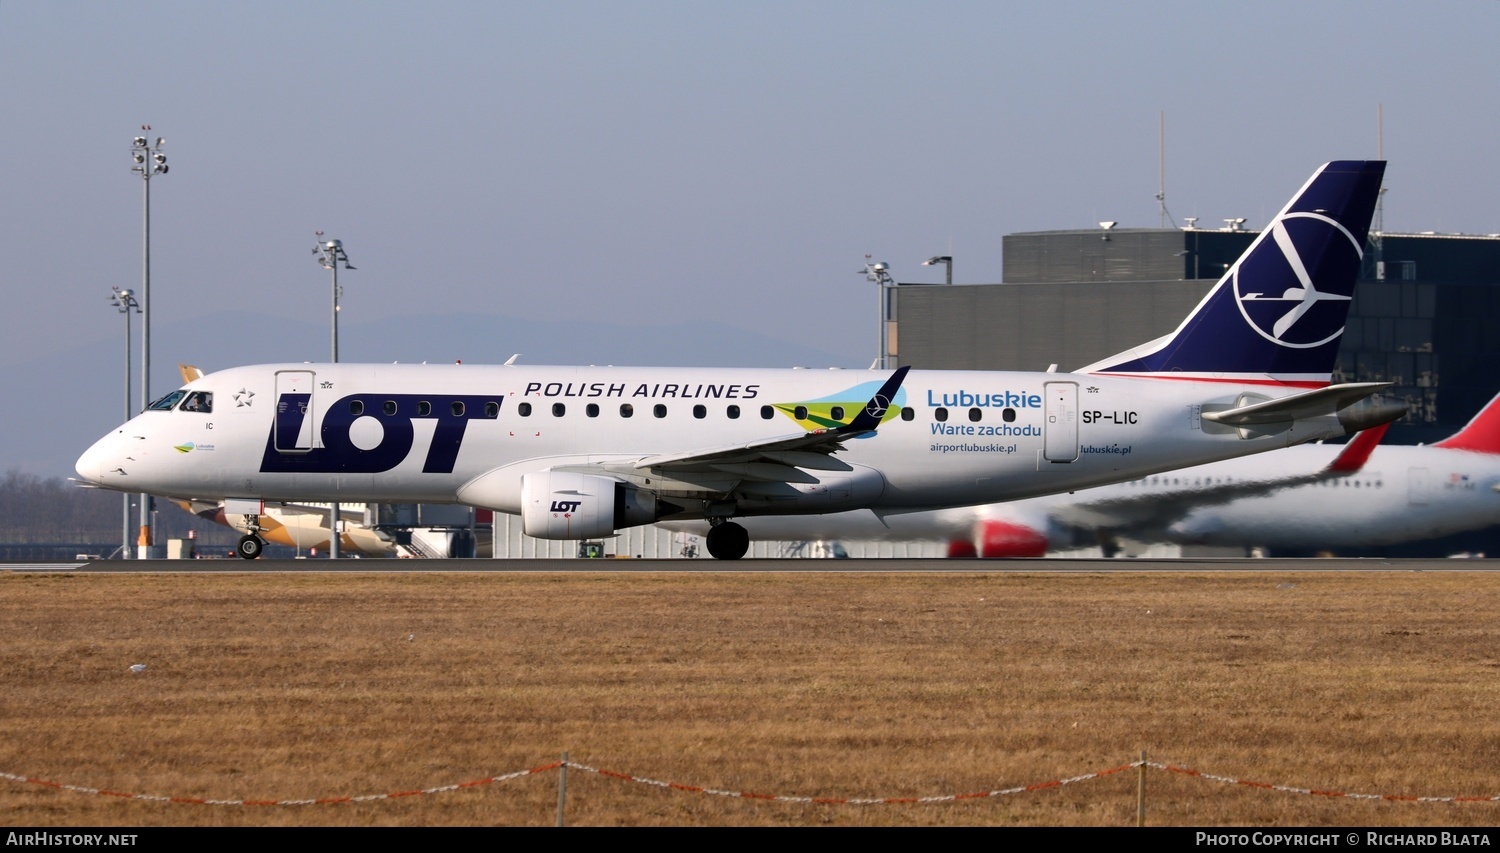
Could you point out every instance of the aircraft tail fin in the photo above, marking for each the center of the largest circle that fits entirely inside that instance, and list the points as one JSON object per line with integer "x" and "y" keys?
{"x": 1480, "y": 435}
{"x": 1276, "y": 315}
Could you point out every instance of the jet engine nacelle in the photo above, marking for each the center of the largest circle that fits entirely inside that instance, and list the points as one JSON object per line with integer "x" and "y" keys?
{"x": 1003, "y": 539}
{"x": 1000, "y": 540}
{"x": 568, "y": 505}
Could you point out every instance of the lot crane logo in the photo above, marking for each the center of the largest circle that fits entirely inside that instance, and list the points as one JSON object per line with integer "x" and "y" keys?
{"x": 1300, "y": 315}
{"x": 840, "y": 408}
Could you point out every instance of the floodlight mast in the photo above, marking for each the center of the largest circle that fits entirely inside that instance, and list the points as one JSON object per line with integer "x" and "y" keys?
{"x": 331, "y": 255}
{"x": 945, "y": 260}
{"x": 125, "y": 302}
{"x": 148, "y": 162}
{"x": 880, "y": 273}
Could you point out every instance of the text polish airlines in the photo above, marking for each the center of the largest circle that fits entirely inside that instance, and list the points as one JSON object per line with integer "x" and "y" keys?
{"x": 581, "y": 452}
{"x": 1345, "y": 499}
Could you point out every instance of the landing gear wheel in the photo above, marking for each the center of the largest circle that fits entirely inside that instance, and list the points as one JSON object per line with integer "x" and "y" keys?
{"x": 249, "y": 547}
{"x": 728, "y": 541}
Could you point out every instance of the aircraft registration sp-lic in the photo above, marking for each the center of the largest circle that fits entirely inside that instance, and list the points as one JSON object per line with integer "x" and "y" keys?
{"x": 581, "y": 452}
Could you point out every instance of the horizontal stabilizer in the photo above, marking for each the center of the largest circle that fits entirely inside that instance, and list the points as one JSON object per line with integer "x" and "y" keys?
{"x": 1309, "y": 404}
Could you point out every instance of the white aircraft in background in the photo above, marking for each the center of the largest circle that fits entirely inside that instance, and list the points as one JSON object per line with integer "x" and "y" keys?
{"x": 581, "y": 452}
{"x": 301, "y": 526}
{"x": 1312, "y": 498}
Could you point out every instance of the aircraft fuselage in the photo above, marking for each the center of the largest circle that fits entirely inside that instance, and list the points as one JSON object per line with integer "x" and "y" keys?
{"x": 326, "y": 432}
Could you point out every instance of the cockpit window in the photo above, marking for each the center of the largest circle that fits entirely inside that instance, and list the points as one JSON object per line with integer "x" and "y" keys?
{"x": 199, "y": 401}
{"x": 168, "y": 401}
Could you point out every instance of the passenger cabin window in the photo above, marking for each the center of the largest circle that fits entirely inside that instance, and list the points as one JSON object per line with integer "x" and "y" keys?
{"x": 975, "y": 415}
{"x": 457, "y": 408}
{"x": 592, "y": 410}
{"x": 492, "y": 410}
{"x": 356, "y": 408}
{"x": 908, "y": 413}
{"x": 766, "y": 413}
{"x": 700, "y": 411}
{"x": 167, "y": 402}
{"x": 1008, "y": 415}
{"x": 389, "y": 407}
{"x": 559, "y": 409}
{"x": 659, "y": 410}
{"x": 524, "y": 410}
{"x": 424, "y": 409}
{"x": 626, "y": 410}
{"x": 733, "y": 412}
{"x": 199, "y": 401}
{"x": 837, "y": 412}
{"x": 800, "y": 413}
{"x": 941, "y": 415}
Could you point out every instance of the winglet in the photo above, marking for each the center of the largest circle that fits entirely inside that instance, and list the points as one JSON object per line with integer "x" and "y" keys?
{"x": 1357, "y": 452}
{"x": 1480, "y": 435}
{"x": 874, "y": 411}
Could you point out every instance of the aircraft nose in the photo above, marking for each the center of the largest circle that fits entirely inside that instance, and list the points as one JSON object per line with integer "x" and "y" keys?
{"x": 91, "y": 465}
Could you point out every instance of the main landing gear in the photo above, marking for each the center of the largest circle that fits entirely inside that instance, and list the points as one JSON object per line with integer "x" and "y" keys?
{"x": 727, "y": 540}
{"x": 250, "y": 546}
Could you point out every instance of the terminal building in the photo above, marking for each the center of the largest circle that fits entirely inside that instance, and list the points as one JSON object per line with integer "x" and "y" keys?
{"x": 1421, "y": 316}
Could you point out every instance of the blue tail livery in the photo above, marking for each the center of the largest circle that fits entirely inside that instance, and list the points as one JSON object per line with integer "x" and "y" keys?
{"x": 1277, "y": 314}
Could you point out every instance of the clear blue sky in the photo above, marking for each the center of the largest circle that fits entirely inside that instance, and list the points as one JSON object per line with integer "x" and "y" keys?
{"x": 641, "y": 161}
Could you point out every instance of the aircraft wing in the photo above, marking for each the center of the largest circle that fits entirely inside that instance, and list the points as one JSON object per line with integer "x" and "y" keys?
{"x": 776, "y": 459}
{"x": 1158, "y": 510}
{"x": 209, "y": 508}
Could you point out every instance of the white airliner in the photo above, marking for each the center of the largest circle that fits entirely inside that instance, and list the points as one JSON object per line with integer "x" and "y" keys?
{"x": 1344, "y": 499}
{"x": 581, "y": 452}
{"x": 301, "y": 526}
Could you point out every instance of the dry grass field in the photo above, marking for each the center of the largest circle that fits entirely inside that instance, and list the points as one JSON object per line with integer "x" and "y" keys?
{"x": 270, "y": 687}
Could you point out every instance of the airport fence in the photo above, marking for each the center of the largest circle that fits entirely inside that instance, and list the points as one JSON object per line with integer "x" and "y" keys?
{"x": 1141, "y": 766}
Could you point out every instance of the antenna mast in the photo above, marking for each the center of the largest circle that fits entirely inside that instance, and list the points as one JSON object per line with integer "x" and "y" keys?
{"x": 1161, "y": 168}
